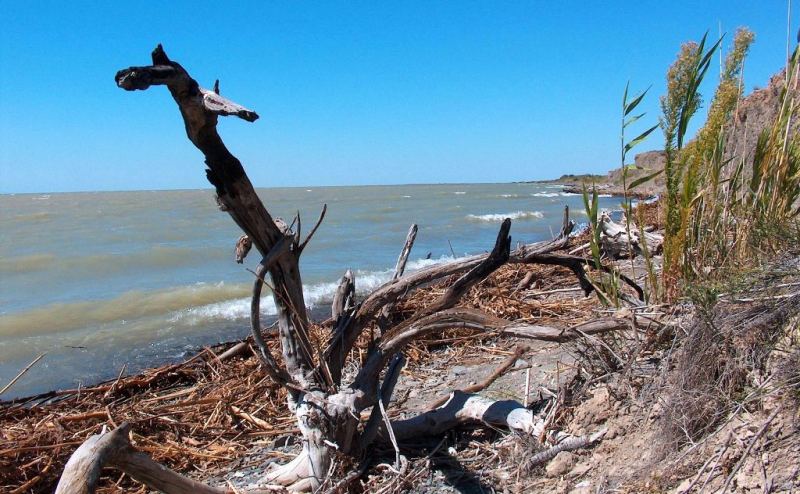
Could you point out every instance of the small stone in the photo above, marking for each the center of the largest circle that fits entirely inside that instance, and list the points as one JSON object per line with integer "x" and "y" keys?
{"x": 584, "y": 487}
{"x": 561, "y": 464}
{"x": 458, "y": 370}
{"x": 580, "y": 470}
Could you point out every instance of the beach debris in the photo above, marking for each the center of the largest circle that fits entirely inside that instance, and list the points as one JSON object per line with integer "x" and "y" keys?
{"x": 327, "y": 377}
{"x": 243, "y": 246}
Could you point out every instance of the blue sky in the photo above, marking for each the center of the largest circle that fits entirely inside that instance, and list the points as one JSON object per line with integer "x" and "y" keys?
{"x": 348, "y": 92}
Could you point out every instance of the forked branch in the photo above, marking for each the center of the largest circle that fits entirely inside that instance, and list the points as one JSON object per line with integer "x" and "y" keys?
{"x": 200, "y": 109}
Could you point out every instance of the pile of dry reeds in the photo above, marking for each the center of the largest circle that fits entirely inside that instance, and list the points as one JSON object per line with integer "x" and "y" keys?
{"x": 200, "y": 415}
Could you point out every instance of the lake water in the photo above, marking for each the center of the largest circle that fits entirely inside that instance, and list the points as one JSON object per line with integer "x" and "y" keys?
{"x": 111, "y": 279}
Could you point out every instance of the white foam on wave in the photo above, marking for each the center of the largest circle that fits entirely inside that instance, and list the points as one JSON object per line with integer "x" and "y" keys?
{"x": 604, "y": 195}
{"x": 508, "y": 196}
{"x": 516, "y": 215}
{"x": 318, "y": 294}
{"x": 553, "y": 194}
{"x": 459, "y": 192}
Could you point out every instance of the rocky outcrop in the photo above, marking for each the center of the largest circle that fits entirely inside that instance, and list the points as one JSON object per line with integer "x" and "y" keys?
{"x": 756, "y": 113}
{"x": 651, "y": 160}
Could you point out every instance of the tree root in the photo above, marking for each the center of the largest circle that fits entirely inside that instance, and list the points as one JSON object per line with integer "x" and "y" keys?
{"x": 290, "y": 474}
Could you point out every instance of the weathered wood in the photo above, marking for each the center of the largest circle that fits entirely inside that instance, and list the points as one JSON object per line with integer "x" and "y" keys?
{"x": 327, "y": 412}
{"x": 114, "y": 449}
{"x": 383, "y": 318}
{"x": 302, "y": 245}
{"x": 577, "y": 265}
{"x": 463, "y": 408}
{"x": 200, "y": 110}
{"x": 85, "y": 465}
{"x": 616, "y": 244}
{"x": 344, "y": 296}
{"x": 526, "y": 281}
{"x": 387, "y": 388}
{"x": 549, "y": 333}
{"x": 273, "y": 369}
{"x": 568, "y": 444}
{"x": 395, "y": 339}
{"x": 491, "y": 378}
{"x": 243, "y": 246}
{"x": 400, "y": 268}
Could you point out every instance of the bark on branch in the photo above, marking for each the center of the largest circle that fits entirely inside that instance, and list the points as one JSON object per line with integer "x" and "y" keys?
{"x": 113, "y": 449}
{"x": 200, "y": 109}
{"x": 396, "y": 338}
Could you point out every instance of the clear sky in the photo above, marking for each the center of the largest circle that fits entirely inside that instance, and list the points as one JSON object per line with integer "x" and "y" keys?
{"x": 348, "y": 92}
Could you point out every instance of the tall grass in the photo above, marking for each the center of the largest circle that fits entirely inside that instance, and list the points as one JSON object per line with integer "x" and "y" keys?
{"x": 679, "y": 105}
{"x": 722, "y": 212}
{"x": 628, "y": 107}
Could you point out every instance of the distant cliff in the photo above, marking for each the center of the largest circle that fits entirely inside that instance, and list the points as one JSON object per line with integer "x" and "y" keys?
{"x": 755, "y": 113}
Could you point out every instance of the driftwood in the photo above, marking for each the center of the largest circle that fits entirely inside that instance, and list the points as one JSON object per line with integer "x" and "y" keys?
{"x": 616, "y": 244}
{"x": 568, "y": 444}
{"x": 327, "y": 408}
{"x": 113, "y": 449}
{"x": 398, "y": 272}
{"x": 464, "y": 408}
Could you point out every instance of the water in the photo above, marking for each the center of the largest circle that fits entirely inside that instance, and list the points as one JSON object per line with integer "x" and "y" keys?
{"x": 135, "y": 279}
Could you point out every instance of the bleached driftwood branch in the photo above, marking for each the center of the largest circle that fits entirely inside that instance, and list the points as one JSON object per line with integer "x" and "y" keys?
{"x": 616, "y": 243}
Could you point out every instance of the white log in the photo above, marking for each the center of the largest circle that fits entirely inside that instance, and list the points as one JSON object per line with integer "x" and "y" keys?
{"x": 464, "y": 408}
{"x": 616, "y": 244}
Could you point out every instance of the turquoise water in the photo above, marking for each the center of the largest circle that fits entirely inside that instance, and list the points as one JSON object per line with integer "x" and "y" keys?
{"x": 111, "y": 279}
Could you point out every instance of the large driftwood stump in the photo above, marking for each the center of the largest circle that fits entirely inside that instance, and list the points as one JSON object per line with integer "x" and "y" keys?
{"x": 327, "y": 408}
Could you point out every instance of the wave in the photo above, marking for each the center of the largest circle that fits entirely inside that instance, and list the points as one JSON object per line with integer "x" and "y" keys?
{"x": 157, "y": 256}
{"x": 509, "y": 196}
{"x": 184, "y": 306}
{"x": 316, "y": 295}
{"x": 517, "y": 215}
{"x": 26, "y": 264}
{"x": 553, "y": 194}
{"x": 41, "y": 216}
{"x": 459, "y": 192}
{"x": 131, "y": 305}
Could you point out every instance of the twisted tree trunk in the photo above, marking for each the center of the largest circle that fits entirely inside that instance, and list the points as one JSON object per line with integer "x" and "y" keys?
{"x": 327, "y": 409}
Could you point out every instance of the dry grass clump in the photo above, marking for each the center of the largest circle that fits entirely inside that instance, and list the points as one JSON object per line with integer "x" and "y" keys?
{"x": 724, "y": 355}
{"x": 650, "y": 213}
{"x": 193, "y": 417}
{"x": 709, "y": 372}
{"x": 788, "y": 373}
